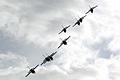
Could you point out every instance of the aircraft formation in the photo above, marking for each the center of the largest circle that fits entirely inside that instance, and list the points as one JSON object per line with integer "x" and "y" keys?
{"x": 64, "y": 41}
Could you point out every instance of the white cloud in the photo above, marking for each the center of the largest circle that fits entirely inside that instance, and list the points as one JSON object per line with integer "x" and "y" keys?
{"x": 11, "y": 63}
{"x": 88, "y": 53}
{"x": 12, "y": 60}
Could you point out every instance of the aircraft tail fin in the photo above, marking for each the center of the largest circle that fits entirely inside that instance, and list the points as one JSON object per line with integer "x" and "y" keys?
{"x": 47, "y": 54}
{"x": 61, "y": 39}
{"x": 28, "y": 67}
{"x": 62, "y": 26}
{"x": 89, "y": 6}
{"x": 41, "y": 63}
{"x": 43, "y": 56}
{"x": 76, "y": 19}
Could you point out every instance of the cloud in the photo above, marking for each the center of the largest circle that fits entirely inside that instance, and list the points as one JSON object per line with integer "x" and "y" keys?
{"x": 12, "y": 60}
{"x": 11, "y": 63}
{"x": 92, "y": 52}
{"x": 106, "y": 69}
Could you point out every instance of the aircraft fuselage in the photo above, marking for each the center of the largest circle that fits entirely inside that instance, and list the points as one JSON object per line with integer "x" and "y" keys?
{"x": 64, "y": 42}
{"x": 64, "y": 30}
{"x": 51, "y": 58}
{"x": 78, "y": 23}
{"x": 91, "y": 10}
{"x": 80, "y": 19}
{"x": 32, "y": 71}
{"x": 47, "y": 58}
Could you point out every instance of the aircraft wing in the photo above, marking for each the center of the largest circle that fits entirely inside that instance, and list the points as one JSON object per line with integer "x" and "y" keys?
{"x": 95, "y": 6}
{"x": 28, "y": 73}
{"x": 87, "y": 12}
{"x": 44, "y": 61}
{"x": 74, "y": 24}
{"x": 67, "y": 38}
{"x": 53, "y": 53}
{"x": 36, "y": 66}
{"x": 68, "y": 26}
{"x": 60, "y": 45}
{"x": 84, "y": 16}
{"x": 60, "y": 31}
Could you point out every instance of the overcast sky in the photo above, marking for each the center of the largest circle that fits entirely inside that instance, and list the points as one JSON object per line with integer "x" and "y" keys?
{"x": 29, "y": 29}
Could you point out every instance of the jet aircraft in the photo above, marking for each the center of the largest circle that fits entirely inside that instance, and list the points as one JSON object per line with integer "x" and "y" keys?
{"x": 64, "y": 29}
{"x": 32, "y": 70}
{"x": 48, "y": 58}
{"x": 64, "y": 41}
{"x": 78, "y": 23}
{"x": 80, "y": 20}
{"x": 91, "y": 9}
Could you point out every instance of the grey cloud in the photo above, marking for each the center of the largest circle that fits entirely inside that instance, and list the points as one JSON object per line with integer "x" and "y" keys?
{"x": 12, "y": 60}
{"x": 29, "y": 51}
{"x": 31, "y": 30}
{"x": 102, "y": 48}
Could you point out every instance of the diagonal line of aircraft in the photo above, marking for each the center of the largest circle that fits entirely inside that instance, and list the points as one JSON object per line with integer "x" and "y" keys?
{"x": 64, "y": 42}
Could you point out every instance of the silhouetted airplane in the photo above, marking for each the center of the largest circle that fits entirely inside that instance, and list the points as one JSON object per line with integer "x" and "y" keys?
{"x": 91, "y": 9}
{"x": 64, "y": 41}
{"x": 48, "y": 58}
{"x": 78, "y": 23}
{"x": 32, "y": 70}
{"x": 64, "y": 29}
{"x": 80, "y": 20}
